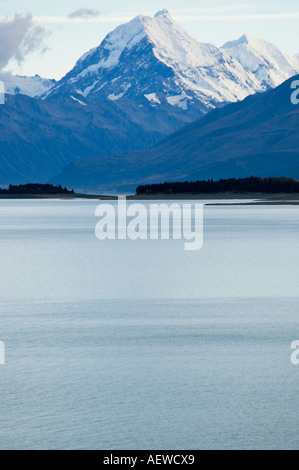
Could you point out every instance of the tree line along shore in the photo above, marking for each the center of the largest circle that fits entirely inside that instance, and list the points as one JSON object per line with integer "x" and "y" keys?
{"x": 272, "y": 185}
{"x": 35, "y": 189}
{"x": 225, "y": 187}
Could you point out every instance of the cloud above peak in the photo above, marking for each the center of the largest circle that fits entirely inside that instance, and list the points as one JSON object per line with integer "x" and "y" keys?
{"x": 18, "y": 37}
{"x": 84, "y": 13}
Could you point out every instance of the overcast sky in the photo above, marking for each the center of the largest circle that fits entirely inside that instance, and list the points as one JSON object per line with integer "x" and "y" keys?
{"x": 47, "y": 37}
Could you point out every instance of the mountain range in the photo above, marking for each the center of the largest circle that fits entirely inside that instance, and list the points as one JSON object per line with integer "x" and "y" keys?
{"x": 145, "y": 81}
{"x": 256, "y": 136}
{"x": 155, "y": 62}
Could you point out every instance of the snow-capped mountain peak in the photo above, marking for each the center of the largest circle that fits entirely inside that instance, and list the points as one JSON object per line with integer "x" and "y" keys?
{"x": 163, "y": 12}
{"x": 244, "y": 39}
{"x": 154, "y": 56}
{"x": 263, "y": 59}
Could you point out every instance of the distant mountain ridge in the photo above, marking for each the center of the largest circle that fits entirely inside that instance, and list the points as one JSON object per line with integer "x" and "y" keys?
{"x": 254, "y": 137}
{"x": 30, "y": 86}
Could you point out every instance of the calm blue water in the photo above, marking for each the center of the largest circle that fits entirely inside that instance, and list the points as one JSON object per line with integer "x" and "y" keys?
{"x": 141, "y": 345}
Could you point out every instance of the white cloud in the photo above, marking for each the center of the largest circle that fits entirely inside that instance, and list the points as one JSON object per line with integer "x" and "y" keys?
{"x": 18, "y": 37}
{"x": 67, "y": 19}
{"x": 213, "y": 9}
{"x": 85, "y": 13}
{"x": 197, "y": 15}
{"x": 246, "y": 17}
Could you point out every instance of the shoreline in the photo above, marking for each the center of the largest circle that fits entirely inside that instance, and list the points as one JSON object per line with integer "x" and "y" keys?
{"x": 255, "y": 198}
{"x": 55, "y": 196}
{"x": 258, "y": 198}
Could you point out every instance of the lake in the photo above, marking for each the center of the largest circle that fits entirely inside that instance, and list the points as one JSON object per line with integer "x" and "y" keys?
{"x": 125, "y": 344}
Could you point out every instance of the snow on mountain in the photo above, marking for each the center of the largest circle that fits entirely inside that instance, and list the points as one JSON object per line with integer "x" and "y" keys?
{"x": 154, "y": 57}
{"x": 296, "y": 60}
{"x": 269, "y": 65}
{"x": 30, "y": 86}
